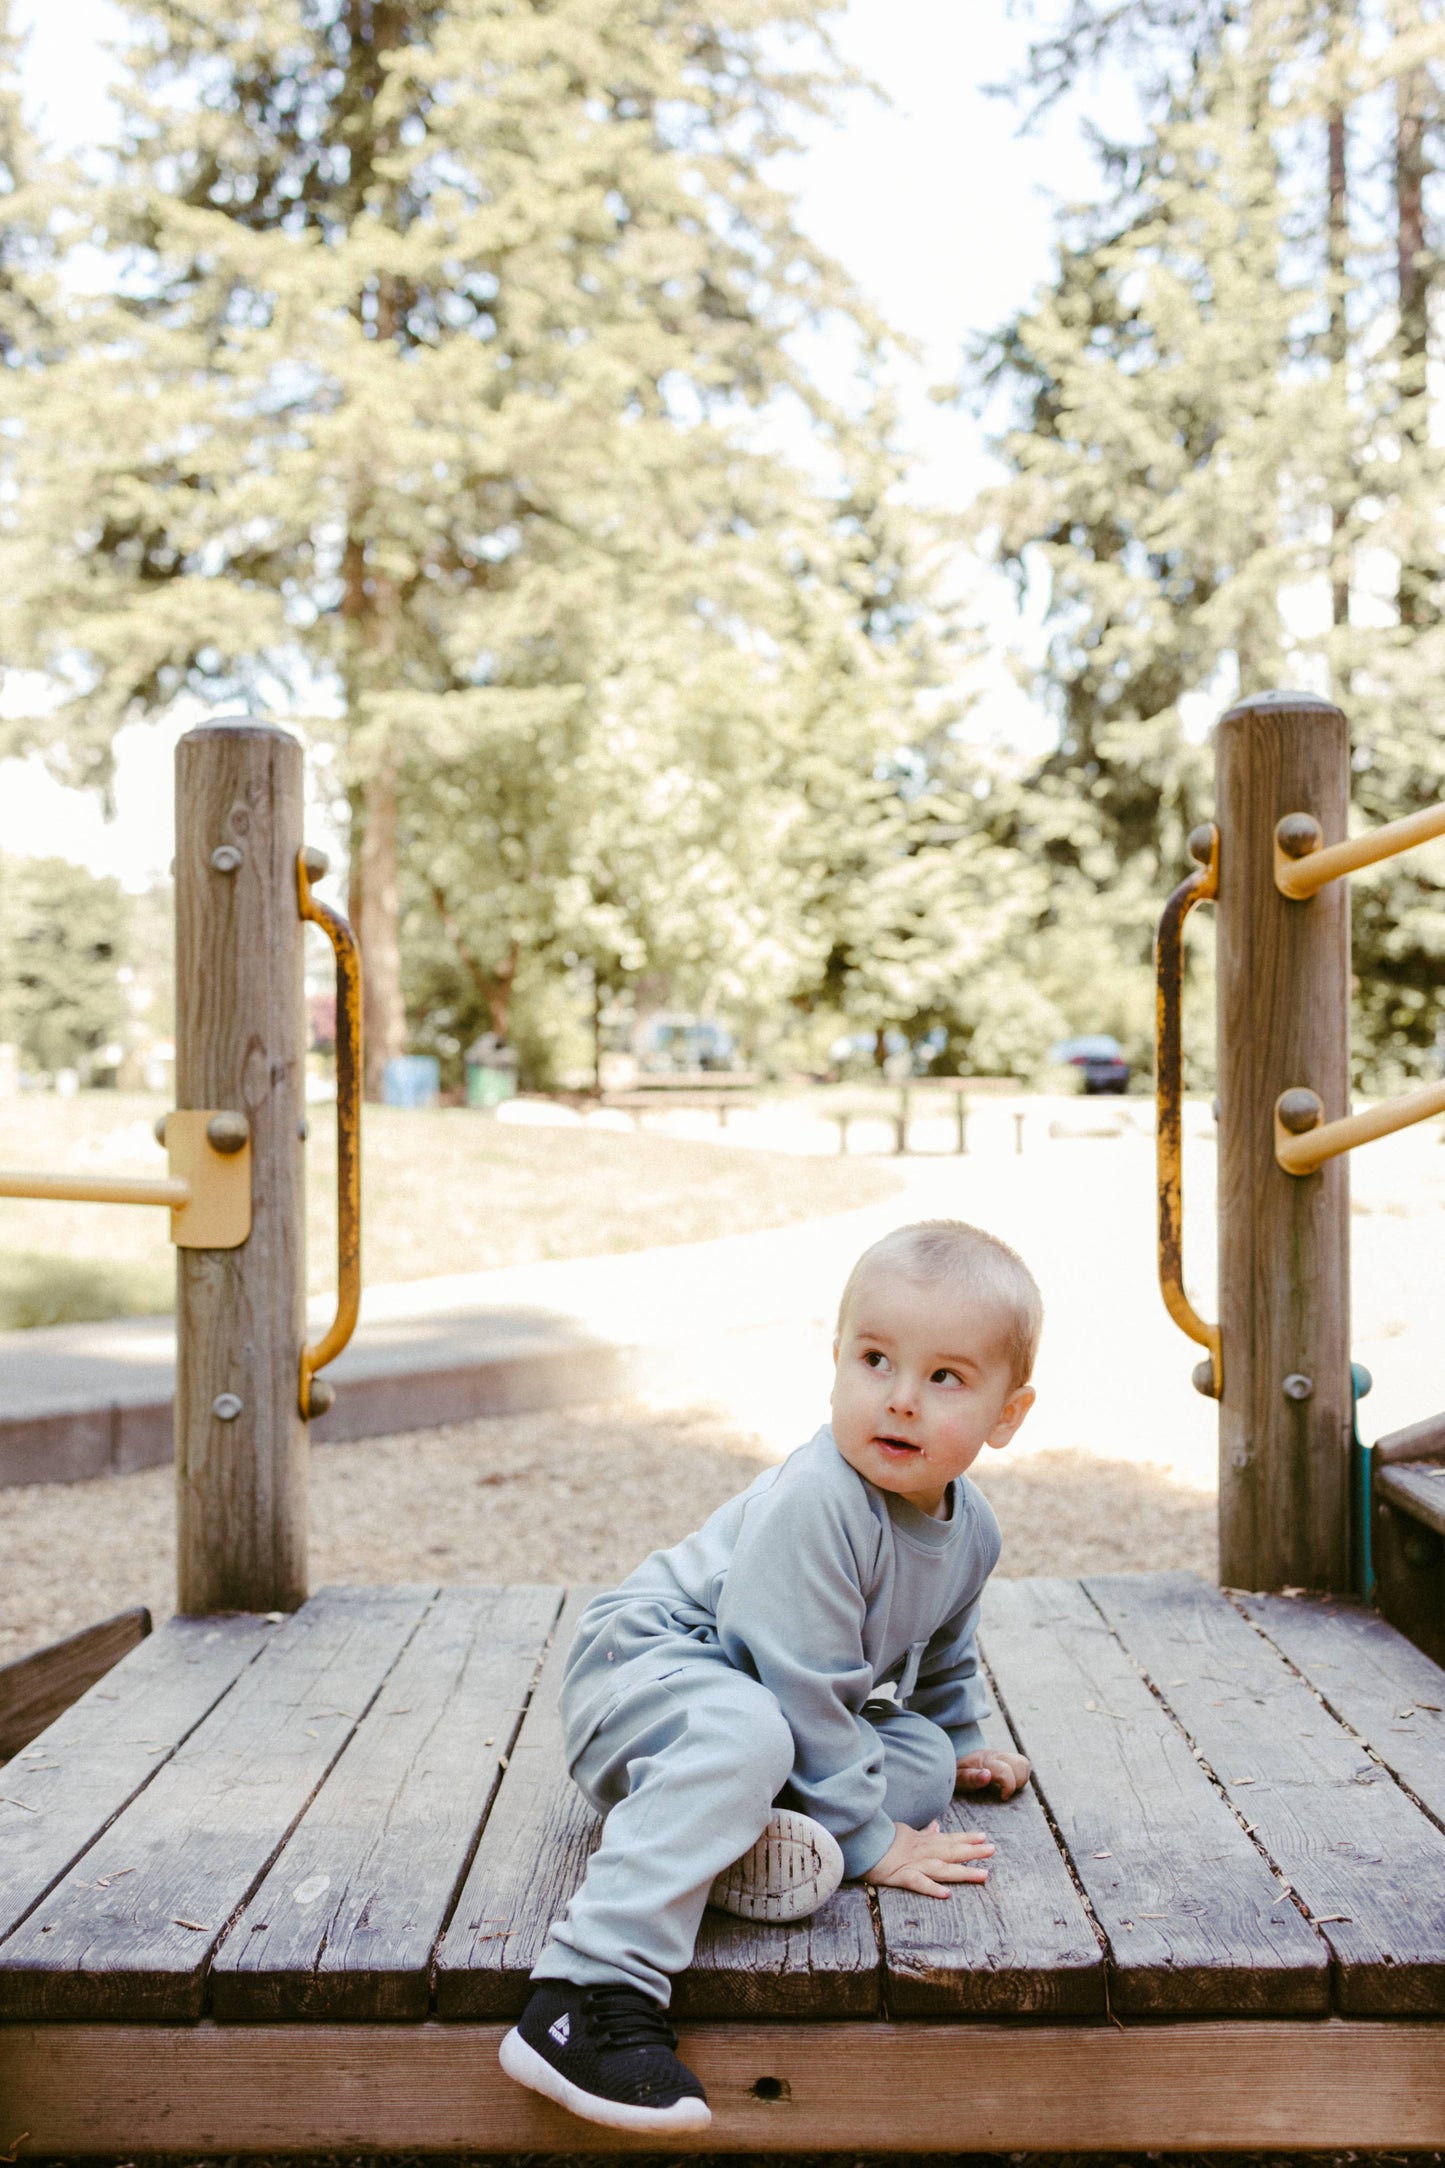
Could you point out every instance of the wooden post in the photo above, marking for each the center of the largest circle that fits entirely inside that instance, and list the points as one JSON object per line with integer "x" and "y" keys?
{"x": 240, "y": 1044}
{"x": 1283, "y": 1021}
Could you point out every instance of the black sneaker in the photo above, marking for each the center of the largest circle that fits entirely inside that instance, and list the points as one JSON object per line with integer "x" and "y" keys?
{"x": 606, "y": 2053}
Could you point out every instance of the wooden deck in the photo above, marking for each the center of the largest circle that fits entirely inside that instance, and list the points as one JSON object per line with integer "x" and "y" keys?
{"x": 279, "y": 1883}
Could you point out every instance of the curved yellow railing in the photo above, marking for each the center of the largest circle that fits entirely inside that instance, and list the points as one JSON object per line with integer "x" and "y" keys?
{"x": 316, "y": 1396}
{"x": 1201, "y": 886}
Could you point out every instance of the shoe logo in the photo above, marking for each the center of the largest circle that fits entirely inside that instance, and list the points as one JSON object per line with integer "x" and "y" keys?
{"x": 561, "y": 2030}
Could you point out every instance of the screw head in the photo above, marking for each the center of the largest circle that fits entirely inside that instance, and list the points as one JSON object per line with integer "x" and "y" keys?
{"x": 316, "y": 862}
{"x": 1300, "y": 1110}
{"x": 1298, "y": 834}
{"x": 226, "y": 858}
{"x": 1201, "y": 1377}
{"x": 227, "y": 1132}
{"x": 160, "y": 1130}
{"x": 1201, "y": 843}
{"x": 1297, "y": 1386}
{"x": 226, "y": 1407}
{"x": 320, "y": 1398}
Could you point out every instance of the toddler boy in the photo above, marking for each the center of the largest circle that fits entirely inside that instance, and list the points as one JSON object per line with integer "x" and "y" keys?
{"x": 815, "y": 1640}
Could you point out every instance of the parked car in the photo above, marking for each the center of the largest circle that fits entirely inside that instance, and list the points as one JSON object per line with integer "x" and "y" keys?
{"x": 1099, "y": 1057}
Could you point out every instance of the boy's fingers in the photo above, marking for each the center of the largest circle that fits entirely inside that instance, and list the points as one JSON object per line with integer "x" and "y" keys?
{"x": 925, "y": 1884}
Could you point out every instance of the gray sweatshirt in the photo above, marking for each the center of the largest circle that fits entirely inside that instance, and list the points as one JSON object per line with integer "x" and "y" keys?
{"x": 826, "y": 1590}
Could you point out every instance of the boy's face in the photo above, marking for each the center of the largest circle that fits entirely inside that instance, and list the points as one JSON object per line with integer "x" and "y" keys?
{"x": 923, "y": 1384}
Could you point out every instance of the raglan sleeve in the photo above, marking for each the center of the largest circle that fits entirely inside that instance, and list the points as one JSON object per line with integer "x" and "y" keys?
{"x": 791, "y": 1614}
{"x": 950, "y": 1686}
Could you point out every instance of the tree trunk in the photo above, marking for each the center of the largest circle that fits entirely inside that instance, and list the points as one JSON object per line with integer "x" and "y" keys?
{"x": 599, "y": 1002}
{"x": 374, "y": 916}
{"x": 1416, "y": 586}
{"x": 1339, "y": 337}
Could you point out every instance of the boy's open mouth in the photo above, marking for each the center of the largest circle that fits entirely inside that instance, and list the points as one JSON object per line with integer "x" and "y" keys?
{"x": 900, "y": 1446}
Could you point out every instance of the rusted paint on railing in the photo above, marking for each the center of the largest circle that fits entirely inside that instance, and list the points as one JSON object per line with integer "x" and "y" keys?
{"x": 1199, "y": 887}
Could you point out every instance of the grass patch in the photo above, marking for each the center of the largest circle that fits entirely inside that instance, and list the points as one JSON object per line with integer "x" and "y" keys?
{"x": 39, "y": 1290}
{"x": 445, "y": 1191}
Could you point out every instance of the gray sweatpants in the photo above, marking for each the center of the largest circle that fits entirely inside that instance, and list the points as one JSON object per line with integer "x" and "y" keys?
{"x": 685, "y": 1766}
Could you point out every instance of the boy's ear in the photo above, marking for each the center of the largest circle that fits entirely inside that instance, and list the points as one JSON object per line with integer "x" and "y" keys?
{"x": 1015, "y": 1408}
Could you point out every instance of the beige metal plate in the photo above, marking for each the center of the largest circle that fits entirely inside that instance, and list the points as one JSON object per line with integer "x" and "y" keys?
{"x": 218, "y": 1216}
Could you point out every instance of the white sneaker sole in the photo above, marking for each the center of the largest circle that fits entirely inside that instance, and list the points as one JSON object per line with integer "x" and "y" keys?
{"x": 531, "y": 2069}
{"x": 794, "y": 1867}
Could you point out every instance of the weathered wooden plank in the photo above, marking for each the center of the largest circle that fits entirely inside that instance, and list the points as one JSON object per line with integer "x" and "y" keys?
{"x": 1229, "y": 2087}
{"x": 1365, "y": 1863}
{"x": 1369, "y": 1676}
{"x": 533, "y": 1853}
{"x": 1194, "y": 1919}
{"x": 63, "y": 1790}
{"x": 36, "y": 1689}
{"x": 344, "y": 1924}
{"x": 1018, "y": 1945}
{"x": 131, "y": 1937}
{"x": 1418, "y": 1487}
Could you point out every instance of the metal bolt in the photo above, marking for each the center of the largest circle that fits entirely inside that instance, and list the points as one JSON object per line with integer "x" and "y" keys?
{"x": 160, "y": 1130}
{"x": 227, "y": 1132}
{"x": 303, "y": 1129}
{"x": 226, "y": 1407}
{"x": 1300, "y": 1110}
{"x": 1297, "y": 1386}
{"x": 1201, "y": 1377}
{"x": 320, "y": 1397}
{"x": 226, "y": 858}
{"x": 1299, "y": 834}
{"x": 1201, "y": 843}
{"x": 316, "y": 862}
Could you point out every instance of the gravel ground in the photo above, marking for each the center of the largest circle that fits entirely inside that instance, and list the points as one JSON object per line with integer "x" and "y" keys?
{"x": 574, "y": 1495}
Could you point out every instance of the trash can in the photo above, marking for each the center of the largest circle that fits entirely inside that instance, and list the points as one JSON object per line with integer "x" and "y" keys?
{"x": 491, "y": 1070}
{"x": 411, "y": 1080}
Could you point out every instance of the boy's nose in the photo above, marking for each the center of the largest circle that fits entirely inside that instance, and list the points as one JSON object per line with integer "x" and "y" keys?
{"x": 902, "y": 1398}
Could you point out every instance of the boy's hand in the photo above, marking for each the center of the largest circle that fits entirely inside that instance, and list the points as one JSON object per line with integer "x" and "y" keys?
{"x": 927, "y": 1861}
{"x": 977, "y": 1771}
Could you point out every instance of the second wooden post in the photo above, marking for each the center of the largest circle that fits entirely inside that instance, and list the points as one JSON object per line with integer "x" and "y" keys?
{"x": 1284, "y": 1016}
{"x": 240, "y": 1045}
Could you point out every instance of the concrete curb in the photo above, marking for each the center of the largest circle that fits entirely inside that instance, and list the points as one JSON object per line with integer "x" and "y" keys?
{"x": 386, "y": 1391}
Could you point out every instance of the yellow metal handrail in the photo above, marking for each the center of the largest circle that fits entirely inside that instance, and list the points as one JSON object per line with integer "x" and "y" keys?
{"x": 1304, "y": 1140}
{"x": 316, "y": 1396}
{"x": 95, "y": 1188}
{"x": 1304, "y": 863}
{"x": 208, "y": 1189}
{"x": 1201, "y": 886}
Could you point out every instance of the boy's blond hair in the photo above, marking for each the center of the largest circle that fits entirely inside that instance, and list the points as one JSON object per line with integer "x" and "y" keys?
{"x": 946, "y": 1249}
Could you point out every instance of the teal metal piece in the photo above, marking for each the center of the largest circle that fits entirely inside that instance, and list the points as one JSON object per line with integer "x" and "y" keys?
{"x": 1362, "y": 1550}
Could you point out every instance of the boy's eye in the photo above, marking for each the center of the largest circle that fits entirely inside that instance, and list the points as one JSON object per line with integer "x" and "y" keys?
{"x": 875, "y": 1358}
{"x": 945, "y": 1377}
